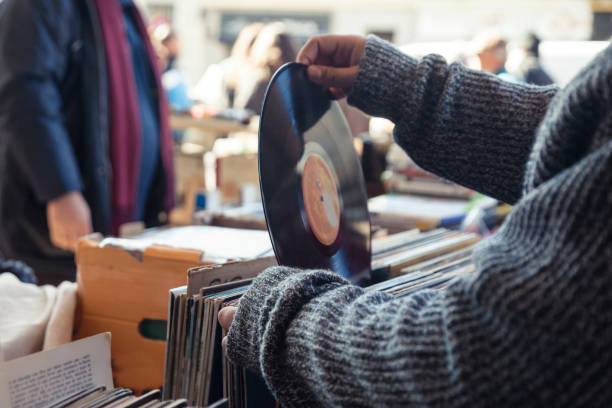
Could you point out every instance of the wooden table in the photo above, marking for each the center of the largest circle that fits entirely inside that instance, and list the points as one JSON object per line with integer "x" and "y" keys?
{"x": 212, "y": 125}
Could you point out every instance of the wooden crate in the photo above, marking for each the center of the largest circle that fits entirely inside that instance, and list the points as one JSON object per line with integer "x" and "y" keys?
{"x": 117, "y": 290}
{"x": 123, "y": 284}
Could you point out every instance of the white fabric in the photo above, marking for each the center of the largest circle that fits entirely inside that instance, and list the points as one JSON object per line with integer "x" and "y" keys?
{"x": 25, "y": 313}
{"x": 59, "y": 329}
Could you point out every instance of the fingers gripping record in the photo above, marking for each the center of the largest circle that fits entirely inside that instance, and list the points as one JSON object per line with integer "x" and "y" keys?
{"x": 333, "y": 61}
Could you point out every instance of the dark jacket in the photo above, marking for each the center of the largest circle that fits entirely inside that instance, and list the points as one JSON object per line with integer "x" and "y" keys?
{"x": 533, "y": 73}
{"x": 53, "y": 122}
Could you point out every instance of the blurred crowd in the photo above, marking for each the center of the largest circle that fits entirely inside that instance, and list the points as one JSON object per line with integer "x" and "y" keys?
{"x": 238, "y": 82}
{"x": 520, "y": 64}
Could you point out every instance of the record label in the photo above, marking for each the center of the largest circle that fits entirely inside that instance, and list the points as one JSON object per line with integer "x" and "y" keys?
{"x": 321, "y": 200}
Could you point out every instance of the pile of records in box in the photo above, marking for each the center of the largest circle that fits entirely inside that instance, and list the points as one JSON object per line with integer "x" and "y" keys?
{"x": 197, "y": 369}
{"x": 124, "y": 398}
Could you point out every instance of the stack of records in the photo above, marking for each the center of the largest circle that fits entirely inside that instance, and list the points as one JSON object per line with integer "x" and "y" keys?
{"x": 196, "y": 368}
{"x": 391, "y": 256}
{"x": 432, "y": 273}
{"x": 124, "y": 398}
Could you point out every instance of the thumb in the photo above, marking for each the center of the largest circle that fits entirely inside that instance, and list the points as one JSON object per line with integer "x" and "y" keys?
{"x": 226, "y": 316}
{"x": 333, "y": 77}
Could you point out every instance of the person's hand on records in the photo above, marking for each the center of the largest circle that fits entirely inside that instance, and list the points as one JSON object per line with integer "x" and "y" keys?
{"x": 226, "y": 316}
{"x": 68, "y": 219}
{"x": 333, "y": 61}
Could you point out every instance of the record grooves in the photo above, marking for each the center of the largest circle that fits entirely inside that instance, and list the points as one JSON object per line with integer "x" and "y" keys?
{"x": 311, "y": 180}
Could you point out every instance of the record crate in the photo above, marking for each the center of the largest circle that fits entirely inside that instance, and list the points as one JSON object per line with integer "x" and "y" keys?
{"x": 123, "y": 288}
{"x": 125, "y": 292}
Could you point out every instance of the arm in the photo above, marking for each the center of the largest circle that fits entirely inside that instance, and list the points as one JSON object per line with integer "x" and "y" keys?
{"x": 503, "y": 336}
{"x": 319, "y": 341}
{"x": 32, "y": 128}
{"x": 531, "y": 327}
{"x": 34, "y": 55}
{"x": 468, "y": 126}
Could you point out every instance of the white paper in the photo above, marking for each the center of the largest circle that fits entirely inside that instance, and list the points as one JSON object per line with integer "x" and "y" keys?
{"x": 214, "y": 242}
{"x": 417, "y": 206}
{"x": 46, "y": 378}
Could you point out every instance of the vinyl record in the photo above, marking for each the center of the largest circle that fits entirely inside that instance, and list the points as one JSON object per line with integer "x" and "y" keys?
{"x": 311, "y": 180}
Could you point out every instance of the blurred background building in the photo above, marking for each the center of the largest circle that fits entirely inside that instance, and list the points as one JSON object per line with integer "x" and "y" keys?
{"x": 208, "y": 28}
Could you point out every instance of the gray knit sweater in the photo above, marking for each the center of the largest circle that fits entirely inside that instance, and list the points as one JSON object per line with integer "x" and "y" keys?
{"x": 533, "y": 325}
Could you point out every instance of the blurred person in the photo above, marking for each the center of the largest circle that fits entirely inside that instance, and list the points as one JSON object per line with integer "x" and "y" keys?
{"x": 272, "y": 48}
{"x": 170, "y": 42}
{"x": 491, "y": 50}
{"x": 161, "y": 22}
{"x": 530, "y": 327}
{"x": 217, "y": 86}
{"x": 173, "y": 79}
{"x": 84, "y": 138}
{"x": 524, "y": 61}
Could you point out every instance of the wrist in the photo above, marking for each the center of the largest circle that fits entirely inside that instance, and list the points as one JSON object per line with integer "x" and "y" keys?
{"x": 67, "y": 195}
{"x": 383, "y": 77}
{"x": 246, "y": 332}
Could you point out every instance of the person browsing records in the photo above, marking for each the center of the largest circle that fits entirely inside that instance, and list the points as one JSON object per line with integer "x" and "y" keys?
{"x": 532, "y": 325}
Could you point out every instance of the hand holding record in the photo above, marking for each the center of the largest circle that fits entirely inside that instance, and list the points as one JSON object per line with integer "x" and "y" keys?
{"x": 333, "y": 61}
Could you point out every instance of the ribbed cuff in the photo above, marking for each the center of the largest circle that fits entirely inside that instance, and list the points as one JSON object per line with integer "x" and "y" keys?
{"x": 276, "y": 297}
{"x": 246, "y": 331}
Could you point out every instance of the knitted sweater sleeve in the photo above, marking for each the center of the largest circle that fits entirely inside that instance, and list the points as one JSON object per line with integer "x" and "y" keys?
{"x": 467, "y": 126}
{"x": 531, "y": 327}
{"x": 320, "y": 341}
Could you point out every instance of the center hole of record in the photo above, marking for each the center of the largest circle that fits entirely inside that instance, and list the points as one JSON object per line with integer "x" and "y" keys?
{"x": 321, "y": 199}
